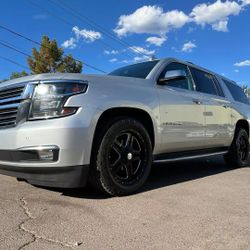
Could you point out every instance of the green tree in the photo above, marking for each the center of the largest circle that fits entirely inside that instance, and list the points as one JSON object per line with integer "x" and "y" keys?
{"x": 18, "y": 74}
{"x": 51, "y": 59}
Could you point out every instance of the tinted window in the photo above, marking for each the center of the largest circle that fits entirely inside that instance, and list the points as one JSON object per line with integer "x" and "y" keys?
{"x": 237, "y": 92}
{"x": 204, "y": 82}
{"x": 183, "y": 83}
{"x": 218, "y": 87}
{"x": 139, "y": 70}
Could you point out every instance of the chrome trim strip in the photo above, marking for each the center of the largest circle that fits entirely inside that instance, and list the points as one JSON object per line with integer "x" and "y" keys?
{"x": 9, "y": 106}
{"x": 13, "y": 86}
{"x": 189, "y": 157}
{"x": 39, "y": 148}
{"x": 12, "y": 99}
{"x": 10, "y": 116}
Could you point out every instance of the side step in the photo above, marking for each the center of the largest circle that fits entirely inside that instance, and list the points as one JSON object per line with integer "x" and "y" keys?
{"x": 188, "y": 155}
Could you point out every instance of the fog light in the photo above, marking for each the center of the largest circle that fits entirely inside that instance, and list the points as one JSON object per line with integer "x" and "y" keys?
{"x": 46, "y": 155}
{"x": 39, "y": 153}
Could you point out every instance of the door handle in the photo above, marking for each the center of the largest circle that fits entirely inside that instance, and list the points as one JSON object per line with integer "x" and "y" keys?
{"x": 225, "y": 106}
{"x": 196, "y": 101}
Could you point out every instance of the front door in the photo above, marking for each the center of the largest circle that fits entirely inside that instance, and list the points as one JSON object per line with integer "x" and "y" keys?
{"x": 182, "y": 113}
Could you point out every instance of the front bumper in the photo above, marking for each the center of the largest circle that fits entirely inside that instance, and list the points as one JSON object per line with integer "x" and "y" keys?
{"x": 72, "y": 136}
{"x": 63, "y": 177}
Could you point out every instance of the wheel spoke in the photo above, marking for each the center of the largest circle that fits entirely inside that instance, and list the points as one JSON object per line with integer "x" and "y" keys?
{"x": 129, "y": 167}
{"x": 127, "y": 170}
{"x": 117, "y": 146}
{"x": 136, "y": 158}
{"x": 136, "y": 153}
{"x": 117, "y": 169}
{"x": 117, "y": 162}
{"x": 126, "y": 157}
{"x": 130, "y": 140}
{"x": 242, "y": 148}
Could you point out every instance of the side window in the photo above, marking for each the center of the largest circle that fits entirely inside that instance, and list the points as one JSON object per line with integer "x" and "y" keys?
{"x": 182, "y": 83}
{"x": 218, "y": 87}
{"x": 237, "y": 92}
{"x": 204, "y": 82}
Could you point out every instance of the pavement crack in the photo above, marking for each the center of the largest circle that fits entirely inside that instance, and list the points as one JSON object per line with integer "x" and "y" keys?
{"x": 35, "y": 236}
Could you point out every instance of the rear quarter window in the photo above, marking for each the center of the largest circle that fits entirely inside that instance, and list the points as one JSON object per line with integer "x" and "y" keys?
{"x": 204, "y": 82}
{"x": 236, "y": 91}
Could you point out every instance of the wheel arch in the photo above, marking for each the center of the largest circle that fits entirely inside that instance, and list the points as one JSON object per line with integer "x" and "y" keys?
{"x": 136, "y": 113}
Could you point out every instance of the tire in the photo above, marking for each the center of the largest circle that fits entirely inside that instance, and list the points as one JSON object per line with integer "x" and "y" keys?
{"x": 239, "y": 150}
{"x": 122, "y": 158}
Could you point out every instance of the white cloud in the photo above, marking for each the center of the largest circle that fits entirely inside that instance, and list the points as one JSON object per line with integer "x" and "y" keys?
{"x": 236, "y": 71}
{"x": 216, "y": 14}
{"x": 243, "y": 63}
{"x": 87, "y": 35}
{"x": 141, "y": 58}
{"x": 69, "y": 44}
{"x": 113, "y": 60}
{"x": 157, "y": 41}
{"x": 220, "y": 26}
{"x": 245, "y": 2}
{"x": 111, "y": 52}
{"x": 188, "y": 47}
{"x": 140, "y": 50}
{"x": 151, "y": 20}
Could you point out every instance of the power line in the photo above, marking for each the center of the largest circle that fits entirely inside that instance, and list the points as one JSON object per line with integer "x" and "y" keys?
{"x": 15, "y": 49}
{"x": 13, "y": 62}
{"x": 13, "y": 45}
{"x": 40, "y": 44}
{"x": 71, "y": 25}
{"x": 95, "y": 25}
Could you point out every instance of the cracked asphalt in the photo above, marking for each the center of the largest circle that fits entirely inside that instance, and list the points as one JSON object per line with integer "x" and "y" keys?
{"x": 200, "y": 204}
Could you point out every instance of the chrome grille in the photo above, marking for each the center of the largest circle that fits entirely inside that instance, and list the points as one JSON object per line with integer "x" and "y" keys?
{"x": 10, "y": 100}
{"x": 11, "y": 92}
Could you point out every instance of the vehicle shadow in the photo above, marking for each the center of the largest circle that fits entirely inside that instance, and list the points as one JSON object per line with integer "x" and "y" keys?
{"x": 173, "y": 173}
{"x": 165, "y": 175}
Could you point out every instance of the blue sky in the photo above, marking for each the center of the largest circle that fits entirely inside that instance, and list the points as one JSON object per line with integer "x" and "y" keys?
{"x": 213, "y": 34}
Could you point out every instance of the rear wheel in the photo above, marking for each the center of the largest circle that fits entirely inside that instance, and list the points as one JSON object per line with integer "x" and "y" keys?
{"x": 122, "y": 160}
{"x": 239, "y": 150}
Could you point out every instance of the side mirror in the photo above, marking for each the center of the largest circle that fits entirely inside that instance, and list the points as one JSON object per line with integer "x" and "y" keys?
{"x": 173, "y": 75}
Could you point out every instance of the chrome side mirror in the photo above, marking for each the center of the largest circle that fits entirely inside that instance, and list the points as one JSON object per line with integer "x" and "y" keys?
{"x": 173, "y": 75}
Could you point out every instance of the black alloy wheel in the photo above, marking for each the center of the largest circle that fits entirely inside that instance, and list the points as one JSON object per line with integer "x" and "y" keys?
{"x": 122, "y": 157}
{"x": 239, "y": 150}
{"x": 126, "y": 157}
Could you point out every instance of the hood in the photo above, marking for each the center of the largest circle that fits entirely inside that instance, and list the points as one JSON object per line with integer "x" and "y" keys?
{"x": 49, "y": 76}
{"x": 70, "y": 76}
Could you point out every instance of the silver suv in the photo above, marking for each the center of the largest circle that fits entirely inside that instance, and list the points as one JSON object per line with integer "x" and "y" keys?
{"x": 64, "y": 130}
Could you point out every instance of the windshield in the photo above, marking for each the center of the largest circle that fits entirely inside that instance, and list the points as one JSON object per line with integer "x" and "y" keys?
{"x": 139, "y": 70}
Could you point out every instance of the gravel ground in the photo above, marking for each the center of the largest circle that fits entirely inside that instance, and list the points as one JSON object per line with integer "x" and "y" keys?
{"x": 201, "y": 204}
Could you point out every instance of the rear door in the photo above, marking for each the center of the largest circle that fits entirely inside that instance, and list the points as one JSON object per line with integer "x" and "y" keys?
{"x": 217, "y": 109}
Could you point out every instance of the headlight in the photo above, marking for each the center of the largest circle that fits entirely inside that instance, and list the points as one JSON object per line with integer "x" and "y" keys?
{"x": 49, "y": 99}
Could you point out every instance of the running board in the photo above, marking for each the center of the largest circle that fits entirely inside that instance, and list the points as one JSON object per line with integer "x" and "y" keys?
{"x": 186, "y": 156}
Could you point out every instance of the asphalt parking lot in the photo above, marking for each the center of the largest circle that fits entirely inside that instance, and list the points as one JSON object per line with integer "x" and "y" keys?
{"x": 201, "y": 204}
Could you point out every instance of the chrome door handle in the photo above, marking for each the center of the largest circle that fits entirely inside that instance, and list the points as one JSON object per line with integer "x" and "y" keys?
{"x": 198, "y": 102}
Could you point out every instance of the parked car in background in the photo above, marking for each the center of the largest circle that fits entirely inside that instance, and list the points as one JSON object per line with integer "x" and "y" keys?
{"x": 64, "y": 130}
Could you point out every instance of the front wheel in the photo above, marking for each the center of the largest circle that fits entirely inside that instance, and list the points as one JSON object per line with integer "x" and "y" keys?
{"x": 123, "y": 159}
{"x": 239, "y": 150}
